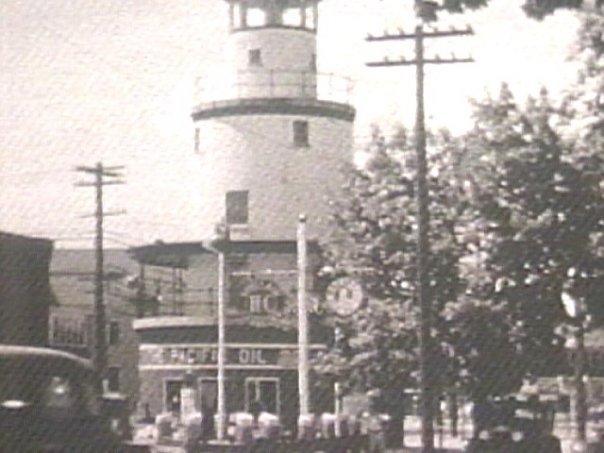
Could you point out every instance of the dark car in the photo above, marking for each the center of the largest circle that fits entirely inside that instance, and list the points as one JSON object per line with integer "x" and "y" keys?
{"x": 516, "y": 427}
{"x": 49, "y": 403}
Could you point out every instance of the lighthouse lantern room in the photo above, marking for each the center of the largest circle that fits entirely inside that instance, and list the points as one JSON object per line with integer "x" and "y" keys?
{"x": 274, "y": 13}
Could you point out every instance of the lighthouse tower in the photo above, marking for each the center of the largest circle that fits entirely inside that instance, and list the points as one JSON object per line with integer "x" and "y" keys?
{"x": 272, "y": 133}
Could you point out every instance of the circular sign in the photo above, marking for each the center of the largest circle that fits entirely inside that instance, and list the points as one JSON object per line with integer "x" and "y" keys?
{"x": 344, "y": 296}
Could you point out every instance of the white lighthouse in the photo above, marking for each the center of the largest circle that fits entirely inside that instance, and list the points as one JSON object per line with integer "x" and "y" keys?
{"x": 273, "y": 133}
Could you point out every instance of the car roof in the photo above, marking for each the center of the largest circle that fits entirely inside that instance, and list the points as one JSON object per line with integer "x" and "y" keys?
{"x": 38, "y": 353}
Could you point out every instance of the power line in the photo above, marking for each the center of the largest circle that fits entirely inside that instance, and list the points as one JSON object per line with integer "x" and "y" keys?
{"x": 425, "y": 11}
{"x": 100, "y": 174}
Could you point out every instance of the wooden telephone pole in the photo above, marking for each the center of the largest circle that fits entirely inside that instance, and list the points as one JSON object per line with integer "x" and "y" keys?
{"x": 425, "y": 10}
{"x": 100, "y": 341}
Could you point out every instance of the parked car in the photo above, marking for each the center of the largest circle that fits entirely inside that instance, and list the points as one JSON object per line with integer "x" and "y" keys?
{"x": 49, "y": 403}
{"x": 516, "y": 427}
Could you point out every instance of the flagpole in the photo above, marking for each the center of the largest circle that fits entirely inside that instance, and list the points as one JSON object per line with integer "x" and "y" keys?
{"x": 222, "y": 295}
{"x": 303, "y": 387}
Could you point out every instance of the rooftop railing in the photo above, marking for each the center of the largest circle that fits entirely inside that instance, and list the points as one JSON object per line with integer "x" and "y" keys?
{"x": 275, "y": 84}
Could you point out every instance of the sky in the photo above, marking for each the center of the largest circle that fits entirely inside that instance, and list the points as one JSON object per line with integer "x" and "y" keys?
{"x": 84, "y": 81}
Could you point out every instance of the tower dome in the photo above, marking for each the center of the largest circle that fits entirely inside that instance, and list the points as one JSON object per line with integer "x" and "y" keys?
{"x": 273, "y": 133}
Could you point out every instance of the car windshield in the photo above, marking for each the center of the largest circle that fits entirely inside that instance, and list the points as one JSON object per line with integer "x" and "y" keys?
{"x": 52, "y": 392}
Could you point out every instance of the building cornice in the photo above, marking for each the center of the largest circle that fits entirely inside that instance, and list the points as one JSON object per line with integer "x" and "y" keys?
{"x": 274, "y": 106}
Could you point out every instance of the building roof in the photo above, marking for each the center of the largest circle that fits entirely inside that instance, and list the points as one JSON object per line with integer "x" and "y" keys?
{"x": 178, "y": 254}
{"x": 72, "y": 277}
{"x": 23, "y": 241}
{"x": 82, "y": 262}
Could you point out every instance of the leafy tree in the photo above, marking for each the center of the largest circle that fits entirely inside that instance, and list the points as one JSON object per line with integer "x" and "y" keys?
{"x": 537, "y": 9}
{"x": 583, "y": 128}
{"x": 374, "y": 239}
{"x": 539, "y": 213}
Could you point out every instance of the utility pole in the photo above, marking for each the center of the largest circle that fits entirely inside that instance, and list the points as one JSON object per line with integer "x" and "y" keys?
{"x": 100, "y": 341}
{"x": 425, "y": 11}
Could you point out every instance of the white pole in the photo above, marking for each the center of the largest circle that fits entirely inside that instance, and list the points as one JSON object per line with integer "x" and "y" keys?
{"x": 221, "y": 409}
{"x": 302, "y": 319}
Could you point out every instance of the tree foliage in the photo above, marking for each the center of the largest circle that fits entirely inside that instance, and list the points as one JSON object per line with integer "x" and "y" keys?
{"x": 516, "y": 219}
{"x": 537, "y": 9}
{"x": 374, "y": 240}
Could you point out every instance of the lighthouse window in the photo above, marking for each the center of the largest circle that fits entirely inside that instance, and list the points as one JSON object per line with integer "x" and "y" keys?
{"x": 255, "y": 57}
{"x": 237, "y": 207}
{"x": 301, "y": 133}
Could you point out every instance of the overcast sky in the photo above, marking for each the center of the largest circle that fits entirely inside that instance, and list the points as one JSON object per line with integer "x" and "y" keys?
{"x": 84, "y": 81}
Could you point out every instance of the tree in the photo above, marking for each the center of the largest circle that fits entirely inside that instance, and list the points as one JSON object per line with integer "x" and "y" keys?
{"x": 537, "y": 9}
{"x": 375, "y": 236}
{"x": 583, "y": 128}
{"x": 539, "y": 212}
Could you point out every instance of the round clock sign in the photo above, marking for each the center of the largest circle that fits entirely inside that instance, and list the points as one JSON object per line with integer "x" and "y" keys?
{"x": 344, "y": 296}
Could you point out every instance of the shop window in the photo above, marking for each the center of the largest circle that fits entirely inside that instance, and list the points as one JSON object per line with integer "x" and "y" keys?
{"x": 172, "y": 396}
{"x": 263, "y": 392}
{"x": 237, "y": 207}
{"x": 113, "y": 379}
{"x": 254, "y": 57}
{"x": 114, "y": 333}
{"x": 301, "y": 134}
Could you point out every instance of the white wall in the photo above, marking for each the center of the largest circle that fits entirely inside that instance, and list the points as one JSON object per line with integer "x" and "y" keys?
{"x": 256, "y": 153}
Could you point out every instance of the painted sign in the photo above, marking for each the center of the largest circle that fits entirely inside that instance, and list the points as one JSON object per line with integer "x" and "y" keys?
{"x": 208, "y": 355}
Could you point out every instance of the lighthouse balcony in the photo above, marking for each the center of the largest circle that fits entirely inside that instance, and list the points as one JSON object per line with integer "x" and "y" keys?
{"x": 270, "y": 89}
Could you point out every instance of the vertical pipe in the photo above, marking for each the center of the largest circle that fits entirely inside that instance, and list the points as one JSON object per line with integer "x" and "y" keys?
{"x": 581, "y": 402}
{"x": 426, "y": 374}
{"x": 222, "y": 292}
{"x": 303, "y": 387}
